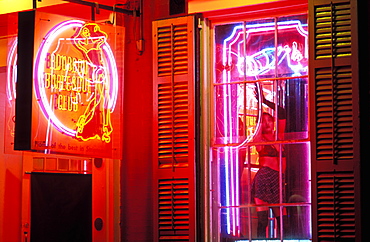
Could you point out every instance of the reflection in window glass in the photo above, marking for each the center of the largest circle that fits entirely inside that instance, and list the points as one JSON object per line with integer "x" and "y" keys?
{"x": 260, "y": 146}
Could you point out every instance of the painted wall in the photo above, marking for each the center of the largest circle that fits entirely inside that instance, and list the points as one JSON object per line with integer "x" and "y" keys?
{"x": 10, "y": 162}
{"x": 136, "y": 166}
{"x": 10, "y": 180}
{"x": 136, "y": 173}
{"x": 135, "y": 183}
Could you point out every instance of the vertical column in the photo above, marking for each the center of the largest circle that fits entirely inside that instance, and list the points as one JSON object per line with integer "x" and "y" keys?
{"x": 100, "y": 220}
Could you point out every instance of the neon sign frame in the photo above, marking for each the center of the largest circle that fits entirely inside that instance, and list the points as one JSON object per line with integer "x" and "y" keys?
{"x": 70, "y": 101}
{"x": 39, "y": 69}
{"x": 254, "y": 65}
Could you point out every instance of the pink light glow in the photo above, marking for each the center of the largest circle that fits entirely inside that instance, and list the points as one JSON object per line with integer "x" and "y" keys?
{"x": 12, "y": 72}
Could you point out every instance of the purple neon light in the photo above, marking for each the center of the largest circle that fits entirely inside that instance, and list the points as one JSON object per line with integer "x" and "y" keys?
{"x": 39, "y": 68}
{"x": 12, "y": 72}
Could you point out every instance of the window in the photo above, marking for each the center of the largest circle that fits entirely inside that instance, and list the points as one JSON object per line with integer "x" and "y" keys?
{"x": 260, "y": 145}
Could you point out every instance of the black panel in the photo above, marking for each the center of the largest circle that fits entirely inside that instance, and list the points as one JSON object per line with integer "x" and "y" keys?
{"x": 177, "y": 7}
{"x": 23, "y": 104}
{"x": 61, "y": 207}
{"x": 296, "y": 101}
{"x": 364, "y": 92}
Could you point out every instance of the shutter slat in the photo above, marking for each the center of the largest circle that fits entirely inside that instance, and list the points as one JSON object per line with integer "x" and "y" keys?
{"x": 333, "y": 31}
{"x": 173, "y": 155}
{"x": 334, "y": 111}
{"x": 335, "y": 201}
{"x": 173, "y": 209}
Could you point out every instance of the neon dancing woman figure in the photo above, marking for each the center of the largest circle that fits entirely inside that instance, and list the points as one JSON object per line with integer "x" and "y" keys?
{"x": 95, "y": 122}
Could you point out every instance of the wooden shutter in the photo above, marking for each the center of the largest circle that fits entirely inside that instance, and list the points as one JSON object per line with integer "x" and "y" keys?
{"x": 336, "y": 206}
{"x": 334, "y": 120}
{"x": 173, "y": 134}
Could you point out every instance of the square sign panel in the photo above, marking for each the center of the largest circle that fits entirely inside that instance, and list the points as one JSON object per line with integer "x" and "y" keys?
{"x": 77, "y": 79}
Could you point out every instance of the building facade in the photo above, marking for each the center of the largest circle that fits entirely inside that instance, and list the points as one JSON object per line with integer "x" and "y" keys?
{"x": 184, "y": 120}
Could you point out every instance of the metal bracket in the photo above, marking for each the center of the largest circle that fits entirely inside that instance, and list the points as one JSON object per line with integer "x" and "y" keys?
{"x": 106, "y": 7}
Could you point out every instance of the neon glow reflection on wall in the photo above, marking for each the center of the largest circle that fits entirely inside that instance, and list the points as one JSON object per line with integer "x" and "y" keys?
{"x": 11, "y": 85}
{"x": 103, "y": 72}
{"x": 259, "y": 63}
{"x": 11, "y": 72}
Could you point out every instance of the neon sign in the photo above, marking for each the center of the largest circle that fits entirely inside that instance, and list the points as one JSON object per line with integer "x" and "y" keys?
{"x": 76, "y": 101}
{"x": 83, "y": 85}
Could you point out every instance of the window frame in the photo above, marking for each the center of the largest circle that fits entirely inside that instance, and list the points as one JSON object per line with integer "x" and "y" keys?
{"x": 216, "y": 22}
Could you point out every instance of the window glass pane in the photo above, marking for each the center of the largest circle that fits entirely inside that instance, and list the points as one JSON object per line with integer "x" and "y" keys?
{"x": 296, "y": 106}
{"x": 277, "y": 176}
{"x": 292, "y": 46}
{"x": 295, "y": 223}
{"x": 227, "y": 52}
{"x": 260, "y": 49}
{"x": 236, "y": 109}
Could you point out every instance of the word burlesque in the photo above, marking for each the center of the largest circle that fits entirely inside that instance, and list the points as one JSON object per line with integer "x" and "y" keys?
{"x": 67, "y": 78}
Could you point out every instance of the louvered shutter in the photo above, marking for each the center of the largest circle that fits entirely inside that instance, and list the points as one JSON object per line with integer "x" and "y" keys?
{"x": 334, "y": 119}
{"x": 173, "y": 134}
